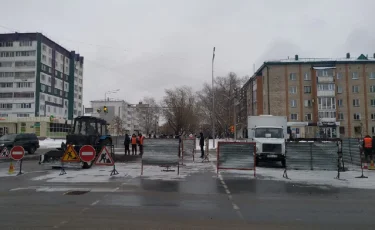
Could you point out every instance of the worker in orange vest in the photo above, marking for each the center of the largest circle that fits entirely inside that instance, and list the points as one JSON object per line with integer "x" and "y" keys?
{"x": 367, "y": 147}
{"x": 134, "y": 144}
{"x": 140, "y": 143}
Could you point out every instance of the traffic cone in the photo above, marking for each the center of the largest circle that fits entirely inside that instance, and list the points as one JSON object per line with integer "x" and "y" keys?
{"x": 372, "y": 166}
{"x": 11, "y": 168}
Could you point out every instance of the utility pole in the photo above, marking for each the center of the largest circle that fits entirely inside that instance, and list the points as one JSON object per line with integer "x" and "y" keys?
{"x": 213, "y": 101}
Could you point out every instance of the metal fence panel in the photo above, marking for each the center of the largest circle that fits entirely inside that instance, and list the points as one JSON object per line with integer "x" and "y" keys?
{"x": 188, "y": 147}
{"x": 351, "y": 152}
{"x": 160, "y": 152}
{"x": 236, "y": 155}
{"x": 324, "y": 155}
{"x": 298, "y": 155}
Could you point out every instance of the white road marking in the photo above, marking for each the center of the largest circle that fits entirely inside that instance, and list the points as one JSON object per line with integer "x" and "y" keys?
{"x": 94, "y": 203}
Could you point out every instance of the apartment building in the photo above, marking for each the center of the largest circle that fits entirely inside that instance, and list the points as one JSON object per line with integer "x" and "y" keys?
{"x": 39, "y": 78}
{"x": 320, "y": 97}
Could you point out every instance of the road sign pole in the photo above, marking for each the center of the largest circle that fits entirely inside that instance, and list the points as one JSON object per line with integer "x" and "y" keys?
{"x": 20, "y": 172}
{"x": 63, "y": 172}
{"x": 114, "y": 171}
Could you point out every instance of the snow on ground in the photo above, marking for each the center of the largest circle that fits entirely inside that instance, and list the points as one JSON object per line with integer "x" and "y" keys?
{"x": 314, "y": 178}
{"x": 126, "y": 170}
{"x": 50, "y": 143}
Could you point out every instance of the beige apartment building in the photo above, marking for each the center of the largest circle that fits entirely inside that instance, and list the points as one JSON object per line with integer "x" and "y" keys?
{"x": 320, "y": 97}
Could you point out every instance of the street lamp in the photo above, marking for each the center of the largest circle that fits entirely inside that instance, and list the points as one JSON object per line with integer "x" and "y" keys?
{"x": 213, "y": 101}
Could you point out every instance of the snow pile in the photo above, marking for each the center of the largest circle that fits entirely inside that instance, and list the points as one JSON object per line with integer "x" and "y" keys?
{"x": 126, "y": 170}
{"x": 50, "y": 143}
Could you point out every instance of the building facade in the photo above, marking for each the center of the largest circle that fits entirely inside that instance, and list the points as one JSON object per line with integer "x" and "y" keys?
{"x": 333, "y": 97}
{"x": 39, "y": 78}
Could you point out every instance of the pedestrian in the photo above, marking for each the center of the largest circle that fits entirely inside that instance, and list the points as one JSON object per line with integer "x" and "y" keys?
{"x": 127, "y": 144}
{"x": 134, "y": 144}
{"x": 140, "y": 143}
{"x": 201, "y": 144}
{"x": 367, "y": 147}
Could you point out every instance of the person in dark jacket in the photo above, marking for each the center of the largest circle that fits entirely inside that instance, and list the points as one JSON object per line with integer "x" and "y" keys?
{"x": 127, "y": 144}
{"x": 201, "y": 144}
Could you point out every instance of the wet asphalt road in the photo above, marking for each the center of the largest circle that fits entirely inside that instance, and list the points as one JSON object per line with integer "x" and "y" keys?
{"x": 201, "y": 201}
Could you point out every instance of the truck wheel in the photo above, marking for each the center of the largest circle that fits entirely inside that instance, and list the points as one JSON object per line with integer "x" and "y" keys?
{"x": 31, "y": 150}
{"x": 283, "y": 163}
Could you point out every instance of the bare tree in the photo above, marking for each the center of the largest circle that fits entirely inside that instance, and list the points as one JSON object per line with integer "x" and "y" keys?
{"x": 225, "y": 96}
{"x": 149, "y": 112}
{"x": 117, "y": 126}
{"x": 180, "y": 109}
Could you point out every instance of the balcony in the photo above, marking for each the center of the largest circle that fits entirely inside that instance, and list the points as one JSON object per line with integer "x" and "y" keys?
{"x": 325, "y": 79}
{"x": 326, "y": 93}
{"x": 326, "y": 119}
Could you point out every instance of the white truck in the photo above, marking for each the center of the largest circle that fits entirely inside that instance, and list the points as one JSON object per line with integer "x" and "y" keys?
{"x": 270, "y": 134}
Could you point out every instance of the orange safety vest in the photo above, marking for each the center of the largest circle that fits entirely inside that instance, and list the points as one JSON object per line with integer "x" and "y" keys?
{"x": 134, "y": 140}
{"x": 368, "y": 142}
{"x": 141, "y": 140}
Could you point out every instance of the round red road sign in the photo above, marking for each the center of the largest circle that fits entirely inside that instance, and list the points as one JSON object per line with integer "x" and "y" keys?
{"x": 17, "y": 153}
{"x": 87, "y": 153}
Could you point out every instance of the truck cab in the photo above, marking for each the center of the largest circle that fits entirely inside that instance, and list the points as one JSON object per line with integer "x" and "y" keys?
{"x": 269, "y": 133}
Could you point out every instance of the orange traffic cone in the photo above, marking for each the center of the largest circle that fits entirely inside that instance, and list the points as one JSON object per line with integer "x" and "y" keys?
{"x": 372, "y": 166}
{"x": 11, "y": 168}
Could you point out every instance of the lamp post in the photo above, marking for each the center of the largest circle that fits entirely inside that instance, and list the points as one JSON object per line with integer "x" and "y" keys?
{"x": 213, "y": 100}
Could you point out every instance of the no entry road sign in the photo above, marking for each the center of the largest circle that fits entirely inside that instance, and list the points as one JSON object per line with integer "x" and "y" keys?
{"x": 87, "y": 153}
{"x": 17, "y": 153}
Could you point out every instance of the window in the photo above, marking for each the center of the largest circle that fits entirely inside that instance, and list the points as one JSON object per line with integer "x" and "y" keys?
{"x": 24, "y": 75}
{"x": 6, "y": 74}
{"x": 355, "y": 88}
{"x": 372, "y": 75}
{"x": 42, "y": 97}
{"x": 340, "y": 76}
{"x": 43, "y": 77}
{"x": 355, "y": 75}
{"x": 339, "y": 89}
{"x": 6, "y": 44}
{"x": 308, "y": 117}
{"x": 293, "y": 103}
{"x": 44, "y": 47}
{"x": 372, "y": 101}
{"x": 49, "y": 98}
{"x": 357, "y": 130}
{"x": 6, "y": 64}
{"x": 49, "y": 61}
{"x": 326, "y": 103}
{"x": 23, "y": 106}
{"x": 342, "y": 130}
{"x": 339, "y": 103}
{"x": 21, "y": 64}
{"x": 327, "y": 114}
{"x": 293, "y": 89}
{"x": 26, "y": 53}
{"x": 24, "y": 84}
{"x": 294, "y": 116}
{"x": 307, "y": 103}
{"x": 307, "y": 89}
{"x": 25, "y": 43}
{"x": 326, "y": 87}
{"x": 7, "y": 54}
{"x": 54, "y": 109}
{"x": 340, "y": 116}
{"x": 44, "y": 58}
{"x": 293, "y": 76}
{"x": 24, "y": 95}
{"x": 355, "y": 102}
{"x": 55, "y": 100}
{"x": 49, "y": 79}
{"x": 6, "y": 106}
{"x": 324, "y": 72}
{"x": 307, "y": 77}
{"x": 357, "y": 116}
{"x": 372, "y": 88}
{"x": 373, "y": 129}
{"x": 6, "y": 95}
{"x": 6, "y": 85}
{"x": 80, "y": 89}
{"x": 23, "y": 115}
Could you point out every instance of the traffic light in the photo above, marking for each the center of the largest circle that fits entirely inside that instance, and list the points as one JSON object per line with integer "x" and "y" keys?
{"x": 105, "y": 109}
{"x": 232, "y": 129}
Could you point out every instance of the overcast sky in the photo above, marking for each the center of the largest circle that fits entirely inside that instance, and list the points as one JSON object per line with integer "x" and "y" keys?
{"x": 144, "y": 46}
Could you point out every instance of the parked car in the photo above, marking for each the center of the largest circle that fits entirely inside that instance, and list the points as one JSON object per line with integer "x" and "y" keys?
{"x": 29, "y": 141}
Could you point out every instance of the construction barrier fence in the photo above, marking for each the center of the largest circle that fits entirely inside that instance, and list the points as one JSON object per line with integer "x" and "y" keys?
{"x": 161, "y": 152}
{"x": 188, "y": 148}
{"x": 236, "y": 156}
{"x": 312, "y": 155}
